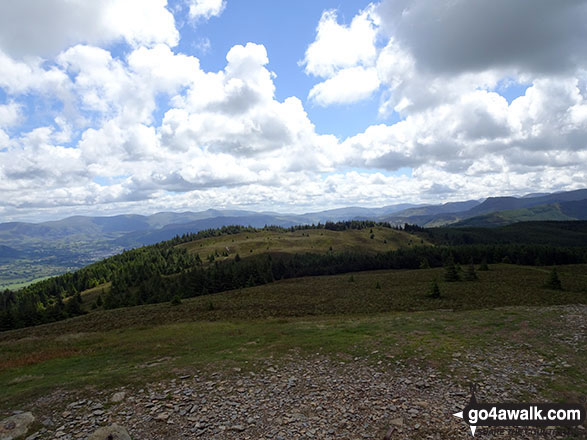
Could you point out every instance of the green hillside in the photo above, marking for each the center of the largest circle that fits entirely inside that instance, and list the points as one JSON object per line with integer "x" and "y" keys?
{"x": 343, "y": 313}
{"x": 278, "y": 328}
{"x": 236, "y": 257}
{"x": 311, "y": 240}
{"x": 551, "y": 233}
{"x": 563, "y": 211}
{"x": 197, "y": 264}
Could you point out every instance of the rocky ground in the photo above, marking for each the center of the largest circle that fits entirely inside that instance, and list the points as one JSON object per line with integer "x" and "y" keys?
{"x": 314, "y": 398}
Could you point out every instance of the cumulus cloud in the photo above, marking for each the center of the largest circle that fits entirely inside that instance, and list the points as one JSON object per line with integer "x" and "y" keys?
{"x": 33, "y": 28}
{"x": 440, "y": 68}
{"x": 437, "y": 51}
{"x": 147, "y": 128}
{"x": 338, "y": 46}
{"x": 536, "y": 131}
{"x": 224, "y": 129}
{"x": 345, "y": 56}
{"x": 346, "y": 86}
{"x": 17, "y": 77}
{"x": 10, "y": 114}
{"x": 537, "y": 36}
{"x": 204, "y": 9}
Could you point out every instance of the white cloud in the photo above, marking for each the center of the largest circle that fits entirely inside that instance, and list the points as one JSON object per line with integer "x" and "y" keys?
{"x": 206, "y": 9}
{"x": 538, "y": 36}
{"x": 141, "y": 22}
{"x": 235, "y": 112}
{"x": 453, "y": 123}
{"x": 339, "y": 46}
{"x": 162, "y": 69}
{"x": 346, "y": 86}
{"x": 224, "y": 130}
{"x": 538, "y": 130}
{"x": 438, "y": 51}
{"x": 33, "y": 28}
{"x": 157, "y": 131}
{"x": 18, "y": 77}
{"x": 395, "y": 65}
{"x": 10, "y": 114}
{"x": 34, "y": 163}
{"x": 345, "y": 56}
{"x": 126, "y": 88}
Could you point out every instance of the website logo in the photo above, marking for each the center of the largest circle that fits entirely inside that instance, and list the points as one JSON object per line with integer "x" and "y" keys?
{"x": 520, "y": 414}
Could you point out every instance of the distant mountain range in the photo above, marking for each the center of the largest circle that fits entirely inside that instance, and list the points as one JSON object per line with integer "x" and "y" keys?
{"x": 499, "y": 211}
{"x": 57, "y": 246}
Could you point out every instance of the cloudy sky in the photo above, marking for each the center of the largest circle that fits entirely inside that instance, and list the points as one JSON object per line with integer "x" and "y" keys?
{"x": 141, "y": 106}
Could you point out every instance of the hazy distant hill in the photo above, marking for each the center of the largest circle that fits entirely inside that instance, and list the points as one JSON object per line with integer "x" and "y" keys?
{"x": 72, "y": 228}
{"x": 576, "y": 209}
{"x": 32, "y": 250}
{"x": 8, "y": 252}
{"x": 493, "y": 204}
{"x": 431, "y": 210}
{"x": 353, "y": 213}
{"x": 491, "y": 212}
{"x": 170, "y": 231}
{"x": 560, "y": 211}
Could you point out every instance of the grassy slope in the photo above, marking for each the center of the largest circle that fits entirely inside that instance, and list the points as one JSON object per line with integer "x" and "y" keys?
{"x": 331, "y": 315}
{"x": 17, "y": 286}
{"x": 311, "y": 240}
{"x": 502, "y": 218}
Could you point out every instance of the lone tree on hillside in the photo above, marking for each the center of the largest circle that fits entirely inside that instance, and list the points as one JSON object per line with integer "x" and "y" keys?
{"x": 450, "y": 271}
{"x": 434, "y": 290}
{"x": 470, "y": 274}
{"x": 554, "y": 282}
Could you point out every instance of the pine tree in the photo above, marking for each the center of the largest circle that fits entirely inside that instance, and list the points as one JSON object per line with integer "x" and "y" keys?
{"x": 470, "y": 275}
{"x": 434, "y": 290}
{"x": 553, "y": 281}
{"x": 450, "y": 271}
{"x": 73, "y": 306}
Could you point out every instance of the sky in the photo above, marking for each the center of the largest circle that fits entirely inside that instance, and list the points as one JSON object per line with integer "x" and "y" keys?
{"x": 140, "y": 106}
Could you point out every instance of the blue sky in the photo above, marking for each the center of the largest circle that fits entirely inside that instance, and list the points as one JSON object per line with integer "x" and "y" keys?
{"x": 148, "y": 105}
{"x": 285, "y": 29}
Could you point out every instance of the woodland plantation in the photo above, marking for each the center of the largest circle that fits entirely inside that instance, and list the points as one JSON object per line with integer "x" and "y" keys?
{"x": 164, "y": 272}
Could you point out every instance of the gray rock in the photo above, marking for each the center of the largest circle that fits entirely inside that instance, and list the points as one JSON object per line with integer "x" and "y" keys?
{"x": 113, "y": 432}
{"x": 397, "y": 422}
{"x": 16, "y": 426}
{"x": 118, "y": 397}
